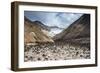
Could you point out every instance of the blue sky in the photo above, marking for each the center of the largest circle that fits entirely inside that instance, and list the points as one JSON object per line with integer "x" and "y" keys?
{"x": 60, "y": 19}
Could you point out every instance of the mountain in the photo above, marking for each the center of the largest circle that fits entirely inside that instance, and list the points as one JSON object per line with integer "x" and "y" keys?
{"x": 55, "y": 30}
{"x": 35, "y": 32}
{"x": 52, "y": 30}
{"x": 55, "y": 27}
{"x": 38, "y": 23}
{"x": 77, "y": 31}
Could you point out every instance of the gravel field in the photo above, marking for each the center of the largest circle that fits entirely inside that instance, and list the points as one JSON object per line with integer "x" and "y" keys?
{"x": 55, "y": 51}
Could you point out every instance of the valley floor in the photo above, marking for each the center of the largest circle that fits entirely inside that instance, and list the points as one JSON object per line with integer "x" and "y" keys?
{"x": 55, "y": 51}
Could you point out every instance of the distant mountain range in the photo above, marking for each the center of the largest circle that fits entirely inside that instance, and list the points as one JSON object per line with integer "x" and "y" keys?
{"x": 52, "y": 30}
{"x": 77, "y": 32}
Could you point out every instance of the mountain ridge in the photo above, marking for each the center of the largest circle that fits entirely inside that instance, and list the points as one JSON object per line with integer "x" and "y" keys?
{"x": 33, "y": 32}
{"x": 80, "y": 28}
{"x": 78, "y": 33}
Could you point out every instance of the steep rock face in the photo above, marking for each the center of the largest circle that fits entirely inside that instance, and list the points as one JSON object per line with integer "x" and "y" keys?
{"x": 35, "y": 32}
{"x": 78, "y": 29}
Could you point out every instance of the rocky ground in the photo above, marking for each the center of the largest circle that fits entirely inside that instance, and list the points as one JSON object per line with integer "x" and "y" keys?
{"x": 55, "y": 51}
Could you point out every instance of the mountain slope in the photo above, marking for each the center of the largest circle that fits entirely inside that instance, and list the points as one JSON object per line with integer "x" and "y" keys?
{"x": 77, "y": 33}
{"x": 35, "y": 32}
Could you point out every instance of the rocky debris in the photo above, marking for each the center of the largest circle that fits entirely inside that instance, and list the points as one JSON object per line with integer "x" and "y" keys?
{"x": 46, "y": 52}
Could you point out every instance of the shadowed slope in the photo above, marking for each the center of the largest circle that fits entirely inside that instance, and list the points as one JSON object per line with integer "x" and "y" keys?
{"x": 77, "y": 32}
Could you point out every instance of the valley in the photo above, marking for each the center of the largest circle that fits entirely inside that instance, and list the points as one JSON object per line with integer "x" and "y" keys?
{"x": 44, "y": 43}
